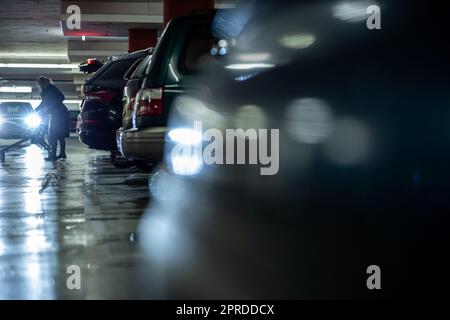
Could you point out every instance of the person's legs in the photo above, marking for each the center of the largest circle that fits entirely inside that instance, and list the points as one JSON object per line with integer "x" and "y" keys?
{"x": 62, "y": 146}
{"x": 53, "y": 145}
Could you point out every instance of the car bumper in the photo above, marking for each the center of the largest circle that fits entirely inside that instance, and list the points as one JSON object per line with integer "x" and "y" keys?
{"x": 12, "y": 131}
{"x": 100, "y": 140}
{"x": 143, "y": 144}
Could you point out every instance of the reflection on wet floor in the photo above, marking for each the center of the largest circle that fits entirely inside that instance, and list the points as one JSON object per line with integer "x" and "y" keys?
{"x": 82, "y": 212}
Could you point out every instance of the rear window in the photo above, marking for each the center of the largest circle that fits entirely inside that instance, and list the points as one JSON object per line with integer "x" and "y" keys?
{"x": 15, "y": 108}
{"x": 112, "y": 76}
{"x": 197, "y": 48}
{"x": 140, "y": 70}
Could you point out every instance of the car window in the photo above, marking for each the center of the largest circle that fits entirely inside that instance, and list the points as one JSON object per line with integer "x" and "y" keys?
{"x": 140, "y": 70}
{"x": 133, "y": 68}
{"x": 197, "y": 48}
{"x": 112, "y": 77}
{"x": 15, "y": 108}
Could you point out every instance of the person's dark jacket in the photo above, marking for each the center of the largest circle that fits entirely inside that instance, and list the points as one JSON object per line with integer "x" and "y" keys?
{"x": 52, "y": 102}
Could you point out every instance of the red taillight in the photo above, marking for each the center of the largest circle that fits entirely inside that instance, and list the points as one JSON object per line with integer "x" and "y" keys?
{"x": 130, "y": 104}
{"x": 103, "y": 96}
{"x": 150, "y": 102}
{"x": 91, "y": 61}
{"x": 90, "y": 121}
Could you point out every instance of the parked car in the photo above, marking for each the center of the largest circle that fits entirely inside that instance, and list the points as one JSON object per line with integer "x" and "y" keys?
{"x": 134, "y": 80}
{"x": 158, "y": 81}
{"x": 90, "y": 66}
{"x": 101, "y": 108}
{"x": 363, "y": 172}
{"x": 17, "y": 119}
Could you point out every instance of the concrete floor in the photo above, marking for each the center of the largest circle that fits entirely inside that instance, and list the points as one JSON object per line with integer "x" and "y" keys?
{"x": 81, "y": 212}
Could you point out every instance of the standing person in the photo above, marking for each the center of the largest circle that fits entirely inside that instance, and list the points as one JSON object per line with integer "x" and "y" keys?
{"x": 52, "y": 103}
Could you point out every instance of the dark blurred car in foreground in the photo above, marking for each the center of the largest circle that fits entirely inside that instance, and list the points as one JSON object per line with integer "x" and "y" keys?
{"x": 17, "y": 119}
{"x": 151, "y": 91}
{"x": 101, "y": 108}
{"x": 364, "y": 164}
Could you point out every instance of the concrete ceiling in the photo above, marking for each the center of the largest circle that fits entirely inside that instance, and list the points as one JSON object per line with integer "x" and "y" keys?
{"x": 35, "y": 31}
{"x": 31, "y": 31}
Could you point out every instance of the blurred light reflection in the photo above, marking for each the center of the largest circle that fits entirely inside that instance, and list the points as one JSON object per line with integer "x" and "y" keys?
{"x": 250, "y": 117}
{"x": 253, "y": 57}
{"x": 164, "y": 240}
{"x": 2, "y": 247}
{"x": 352, "y": 11}
{"x": 186, "y": 163}
{"x": 185, "y": 136}
{"x": 193, "y": 109}
{"x": 39, "y": 284}
{"x": 34, "y": 222}
{"x": 166, "y": 187}
{"x": 350, "y": 142}
{"x": 36, "y": 241}
{"x": 249, "y": 66}
{"x": 297, "y": 41}
{"x": 32, "y": 197}
{"x": 309, "y": 120}
{"x": 34, "y": 161}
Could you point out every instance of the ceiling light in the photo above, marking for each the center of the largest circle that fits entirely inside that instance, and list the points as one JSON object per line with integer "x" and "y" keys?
{"x": 32, "y": 55}
{"x": 247, "y": 66}
{"x": 16, "y": 89}
{"x": 39, "y": 65}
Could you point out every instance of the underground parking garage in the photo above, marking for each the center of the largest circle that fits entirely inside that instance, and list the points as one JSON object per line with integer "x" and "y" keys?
{"x": 226, "y": 150}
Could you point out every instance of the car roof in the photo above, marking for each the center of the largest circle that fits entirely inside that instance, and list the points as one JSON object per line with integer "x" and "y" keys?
{"x": 135, "y": 54}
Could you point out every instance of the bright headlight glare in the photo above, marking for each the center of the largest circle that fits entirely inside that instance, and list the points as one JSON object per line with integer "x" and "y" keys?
{"x": 185, "y": 136}
{"x": 33, "y": 121}
{"x": 186, "y": 165}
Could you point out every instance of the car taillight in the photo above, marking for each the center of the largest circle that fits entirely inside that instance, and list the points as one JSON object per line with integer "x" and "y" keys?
{"x": 103, "y": 96}
{"x": 150, "y": 102}
{"x": 90, "y": 121}
{"x": 130, "y": 104}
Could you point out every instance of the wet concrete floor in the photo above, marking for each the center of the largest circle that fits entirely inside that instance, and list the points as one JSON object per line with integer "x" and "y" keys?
{"x": 57, "y": 217}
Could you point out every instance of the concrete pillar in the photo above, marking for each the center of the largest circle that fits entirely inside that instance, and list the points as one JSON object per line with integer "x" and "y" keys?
{"x": 176, "y": 8}
{"x": 139, "y": 39}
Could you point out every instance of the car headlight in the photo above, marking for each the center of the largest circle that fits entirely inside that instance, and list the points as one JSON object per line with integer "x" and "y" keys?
{"x": 33, "y": 121}
{"x": 183, "y": 160}
{"x": 185, "y": 136}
